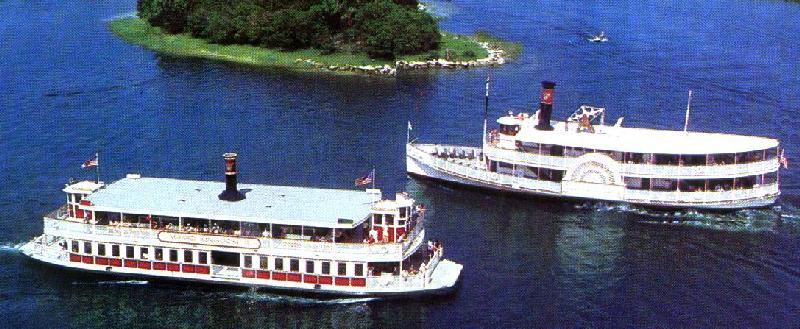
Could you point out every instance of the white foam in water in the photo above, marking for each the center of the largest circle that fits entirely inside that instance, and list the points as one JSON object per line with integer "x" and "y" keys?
{"x": 275, "y": 298}
{"x": 125, "y": 15}
{"x": 10, "y": 247}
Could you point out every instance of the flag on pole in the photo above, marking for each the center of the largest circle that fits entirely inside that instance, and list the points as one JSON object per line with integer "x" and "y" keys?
{"x": 366, "y": 179}
{"x": 91, "y": 162}
{"x": 409, "y": 126}
{"x": 783, "y": 160}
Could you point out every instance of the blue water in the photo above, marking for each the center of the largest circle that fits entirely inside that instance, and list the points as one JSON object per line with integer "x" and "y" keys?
{"x": 69, "y": 87}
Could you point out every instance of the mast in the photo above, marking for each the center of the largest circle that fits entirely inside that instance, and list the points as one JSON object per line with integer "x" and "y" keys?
{"x": 97, "y": 167}
{"x": 688, "y": 107}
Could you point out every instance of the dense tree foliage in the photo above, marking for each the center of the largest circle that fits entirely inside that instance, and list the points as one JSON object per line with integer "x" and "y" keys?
{"x": 381, "y": 28}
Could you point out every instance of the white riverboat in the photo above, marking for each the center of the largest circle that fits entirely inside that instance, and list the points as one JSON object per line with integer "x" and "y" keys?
{"x": 586, "y": 159}
{"x": 340, "y": 242}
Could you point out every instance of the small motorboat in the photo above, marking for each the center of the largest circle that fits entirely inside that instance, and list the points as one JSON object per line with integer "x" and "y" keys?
{"x": 599, "y": 38}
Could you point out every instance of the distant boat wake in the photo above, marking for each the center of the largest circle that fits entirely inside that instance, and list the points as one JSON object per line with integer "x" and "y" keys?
{"x": 106, "y": 283}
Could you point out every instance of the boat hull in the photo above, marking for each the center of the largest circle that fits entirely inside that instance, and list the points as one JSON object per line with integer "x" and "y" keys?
{"x": 443, "y": 279}
{"x": 418, "y": 168}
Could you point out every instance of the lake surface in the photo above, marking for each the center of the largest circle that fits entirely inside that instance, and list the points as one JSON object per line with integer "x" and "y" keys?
{"x": 69, "y": 87}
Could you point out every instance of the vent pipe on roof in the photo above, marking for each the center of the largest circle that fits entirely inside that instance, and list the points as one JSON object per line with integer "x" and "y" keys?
{"x": 231, "y": 192}
{"x": 546, "y": 106}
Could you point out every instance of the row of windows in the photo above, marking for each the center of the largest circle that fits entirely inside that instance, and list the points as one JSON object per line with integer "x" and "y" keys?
{"x": 281, "y": 264}
{"x": 137, "y": 252}
{"x": 700, "y": 185}
{"x": 544, "y": 174}
{"x": 653, "y": 158}
{"x": 323, "y": 267}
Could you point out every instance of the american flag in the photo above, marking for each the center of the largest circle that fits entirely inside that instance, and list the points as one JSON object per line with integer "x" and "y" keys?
{"x": 91, "y": 162}
{"x": 366, "y": 179}
{"x": 783, "y": 160}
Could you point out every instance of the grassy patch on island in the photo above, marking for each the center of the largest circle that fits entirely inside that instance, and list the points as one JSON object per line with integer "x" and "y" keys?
{"x": 137, "y": 31}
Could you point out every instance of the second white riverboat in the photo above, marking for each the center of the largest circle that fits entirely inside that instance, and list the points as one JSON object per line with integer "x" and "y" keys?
{"x": 586, "y": 159}
{"x": 293, "y": 238}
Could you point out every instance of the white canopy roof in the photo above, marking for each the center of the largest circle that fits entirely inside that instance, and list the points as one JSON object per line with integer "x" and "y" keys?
{"x": 286, "y": 205}
{"x": 642, "y": 140}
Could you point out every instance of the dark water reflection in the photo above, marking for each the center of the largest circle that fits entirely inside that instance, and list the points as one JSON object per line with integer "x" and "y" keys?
{"x": 70, "y": 88}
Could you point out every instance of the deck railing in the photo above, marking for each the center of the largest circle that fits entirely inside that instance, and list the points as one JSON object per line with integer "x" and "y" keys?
{"x": 146, "y": 236}
{"x": 478, "y": 173}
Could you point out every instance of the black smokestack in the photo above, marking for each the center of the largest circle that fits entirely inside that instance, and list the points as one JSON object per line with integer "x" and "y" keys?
{"x": 231, "y": 192}
{"x": 546, "y": 106}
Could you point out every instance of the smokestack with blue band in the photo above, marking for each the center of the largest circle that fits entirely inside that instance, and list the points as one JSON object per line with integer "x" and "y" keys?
{"x": 546, "y": 106}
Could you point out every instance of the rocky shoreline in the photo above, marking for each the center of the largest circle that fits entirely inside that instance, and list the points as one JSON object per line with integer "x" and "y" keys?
{"x": 495, "y": 57}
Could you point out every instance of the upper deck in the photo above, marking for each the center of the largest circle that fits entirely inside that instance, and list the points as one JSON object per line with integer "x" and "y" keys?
{"x": 286, "y": 205}
{"x": 637, "y": 140}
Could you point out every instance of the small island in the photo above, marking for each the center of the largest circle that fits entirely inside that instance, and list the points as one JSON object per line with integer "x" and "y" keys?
{"x": 342, "y": 36}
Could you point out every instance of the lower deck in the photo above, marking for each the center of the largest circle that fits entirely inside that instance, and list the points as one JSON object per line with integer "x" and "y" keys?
{"x": 311, "y": 275}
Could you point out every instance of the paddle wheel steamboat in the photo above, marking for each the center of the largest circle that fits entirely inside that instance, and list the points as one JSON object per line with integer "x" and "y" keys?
{"x": 581, "y": 158}
{"x": 341, "y": 242}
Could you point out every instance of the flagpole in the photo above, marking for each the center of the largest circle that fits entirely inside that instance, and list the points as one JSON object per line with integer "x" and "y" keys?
{"x": 373, "y": 177}
{"x": 486, "y": 109}
{"x": 408, "y": 132}
{"x": 688, "y": 107}
{"x": 97, "y": 167}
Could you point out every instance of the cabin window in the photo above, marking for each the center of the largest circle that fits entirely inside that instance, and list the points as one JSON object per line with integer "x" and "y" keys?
{"x": 248, "y": 261}
{"x": 634, "y": 183}
{"x": 202, "y": 257}
{"x": 129, "y": 252}
{"x": 389, "y": 219}
{"x": 75, "y": 246}
{"x": 510, "y": 130}
{"x": 101, "y": 249}
{"x": 264, "y": 262}
{"x": 143, "y": 252}
{"x": 159, "y": 254}
{"x": 721, "y": 159}
{"x": 87, "y": 247}
{"x": 666, "y": 159}
{"x": 771, "y": 153}
{"x": 693, "y": 160}
{"x": 377, "y": 219}
{"x": 342, "y": 269}
{"x": 310, "y": 266}
{"x": 403, "y": 212}
{"x": 664, "y": 184}
{"x": 251, "y": 229}
{"x": 278, "y": 264}
{"x": 114, "y": 250}
{"x": 173, "y": 256}
{"x": 634, "y": 158}
{"x": 326, "y": 268}
{"x": 359, "y": 269}
{"x": 187, "y": 256}
{"x": 770, "y": 178}
{"x": 294, "y": 265}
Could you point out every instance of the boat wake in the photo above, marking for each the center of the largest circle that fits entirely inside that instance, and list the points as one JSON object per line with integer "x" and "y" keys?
{"x": 756, "y": 220}
{"x": 7, "y": 247}
{"x": 125, "y": 15}
{"x": 109, "y": 283}
{"x": 294, "y": 300}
